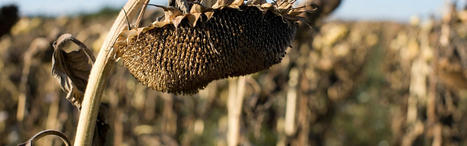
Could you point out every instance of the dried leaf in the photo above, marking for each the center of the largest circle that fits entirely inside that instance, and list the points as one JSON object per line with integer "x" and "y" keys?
{"x": 71, "y": 67}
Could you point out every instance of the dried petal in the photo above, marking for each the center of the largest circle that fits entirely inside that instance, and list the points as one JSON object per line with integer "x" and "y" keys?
{"x": 209, "y": 14}
{"x": 193, "y": 18}
{"x": 236, "y": 4}
{"x": 196, "y": 8}
{"x": 177, "y": 20}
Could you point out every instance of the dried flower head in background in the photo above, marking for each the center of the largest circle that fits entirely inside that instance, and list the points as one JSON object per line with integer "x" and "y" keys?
{"x": 8, "y": 17}
{"x": 183, "y": 52}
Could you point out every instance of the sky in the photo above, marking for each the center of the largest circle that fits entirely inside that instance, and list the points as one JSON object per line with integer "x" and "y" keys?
{"x": 397, "y": 10}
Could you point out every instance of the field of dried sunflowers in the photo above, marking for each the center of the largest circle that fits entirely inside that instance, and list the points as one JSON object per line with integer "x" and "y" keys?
{"x": 341, "y": 83}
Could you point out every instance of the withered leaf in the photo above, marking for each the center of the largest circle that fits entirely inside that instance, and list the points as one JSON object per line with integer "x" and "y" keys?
{"x": 71, "y": 66}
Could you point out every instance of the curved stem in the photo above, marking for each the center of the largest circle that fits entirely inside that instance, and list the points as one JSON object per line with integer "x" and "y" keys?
{"x": 100, "y": 69}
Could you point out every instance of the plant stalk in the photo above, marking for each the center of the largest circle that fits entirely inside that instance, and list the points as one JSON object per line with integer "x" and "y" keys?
{"x": 291, "y": 106}
{"x": 234, "y": 109}
{"x": 99, "y": 72}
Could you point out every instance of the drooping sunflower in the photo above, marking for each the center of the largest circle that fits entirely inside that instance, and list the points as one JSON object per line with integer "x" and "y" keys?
{"x": 185, "y": 50}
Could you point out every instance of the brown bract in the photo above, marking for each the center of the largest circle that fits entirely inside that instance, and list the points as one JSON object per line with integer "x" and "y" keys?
{"x": 183, "y": 52}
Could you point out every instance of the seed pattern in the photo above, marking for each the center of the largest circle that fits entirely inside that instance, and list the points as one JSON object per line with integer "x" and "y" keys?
{"x": 185, "y": 58}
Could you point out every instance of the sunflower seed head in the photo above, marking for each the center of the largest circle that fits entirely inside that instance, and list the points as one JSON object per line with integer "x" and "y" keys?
{"x": 185, "y": 51}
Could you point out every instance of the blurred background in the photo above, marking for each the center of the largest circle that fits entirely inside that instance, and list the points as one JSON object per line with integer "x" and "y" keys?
{"x": 368, "y": 73}
{"x": 397, "y": 10}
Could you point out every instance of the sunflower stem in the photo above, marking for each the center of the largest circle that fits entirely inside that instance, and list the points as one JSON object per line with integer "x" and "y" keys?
{"x": 99, "y": 72}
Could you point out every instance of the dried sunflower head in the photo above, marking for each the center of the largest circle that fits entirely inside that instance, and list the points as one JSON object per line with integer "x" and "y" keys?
{"x": 183, "y": 52}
